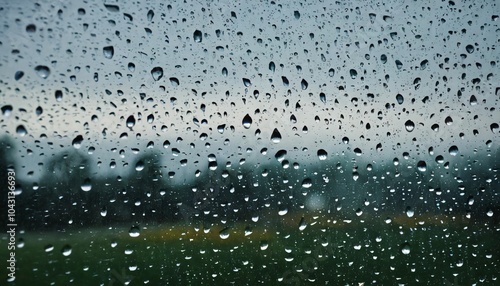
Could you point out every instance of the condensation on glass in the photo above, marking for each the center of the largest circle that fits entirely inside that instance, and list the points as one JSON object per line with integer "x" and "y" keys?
{"x": 245, "y": 143}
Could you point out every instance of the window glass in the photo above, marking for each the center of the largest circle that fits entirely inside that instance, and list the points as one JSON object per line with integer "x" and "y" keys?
{"x": 245, "y": 143}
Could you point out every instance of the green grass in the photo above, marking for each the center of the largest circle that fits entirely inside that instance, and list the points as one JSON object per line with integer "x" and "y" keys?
{"x": 181, "y": 255}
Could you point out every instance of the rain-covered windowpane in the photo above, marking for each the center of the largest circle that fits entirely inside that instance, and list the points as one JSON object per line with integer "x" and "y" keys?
{"x": 249, "y": 142}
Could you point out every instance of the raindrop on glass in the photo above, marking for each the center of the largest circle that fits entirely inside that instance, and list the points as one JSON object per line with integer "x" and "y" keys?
{"x": 134, "y": 231}
{"x": 21, "y": 130}
{"x": 66, "y": 250}
{"x": 197, "y": 36}
{"x": 405, "y": 248}
{"x": 108, "y": 52}
{"x": 42, "y": 71}
{"x": 157, "y": 73}
{"x": 87, "y": 185}
{"x": 409, "y": 125}
{"x": 322, "y": 154}
{"x": 276, "y": 136}
{"x": 247, "y": 121}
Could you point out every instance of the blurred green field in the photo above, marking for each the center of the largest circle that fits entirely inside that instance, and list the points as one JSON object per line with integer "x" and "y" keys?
{"x": 334, "y": 254}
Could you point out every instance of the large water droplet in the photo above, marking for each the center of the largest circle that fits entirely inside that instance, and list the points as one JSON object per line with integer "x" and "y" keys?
{"x": 353, "y": 73}
{"x": 224, "y": 234}
{"x": 87, "y": 185}
{"x": 157, "y": 73}
{"x": 409, "y": 211}
{"x": 134, "y": 231}
{"x": 247, "y": 121}
{"x": 304, "y": 84}
{"x": 405, "y": 248}
{"x": 108, "y": 52}
{"x": 59, "y": 95}
{"x": 302, "y": 224}
{"x": 130, "y": 121}
{"x": 422, "y": 166}
{"x": 276, "y": 136}
{"x": 77, "y": 142}
{"x": 453, "y": 150}
{"x": 272, "y": 66}
{"x": 322, "y": 97}
{"x": 469, "y": 49}
{"x": 42, "y": 71}
{"x": 66, "y": 250}
{"x": 494, "y": 127}
{"x": 448, "y": 120}
{"x": 18, "y": 75}
{"x": 21, "y": 130}
{"x": 400, "y": 99}
{"x": 247, "y": 82}
{"x": 280, "y": 155}
{"x": 150, "y": 15}
{"x": 322, "y": 154}
{"x": 139, "y": 166}
{"x": 409, "y": 125}
{"x": 197, "y": 36}
{"x": 307, "y": 183}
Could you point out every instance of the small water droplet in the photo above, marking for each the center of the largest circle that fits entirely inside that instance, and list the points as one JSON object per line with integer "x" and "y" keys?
{"x": 58, "y": 95}
{"x": 296, "y": 14}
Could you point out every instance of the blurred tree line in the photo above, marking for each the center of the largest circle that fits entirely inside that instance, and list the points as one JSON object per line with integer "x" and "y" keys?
{"x": 70, "y": 192}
